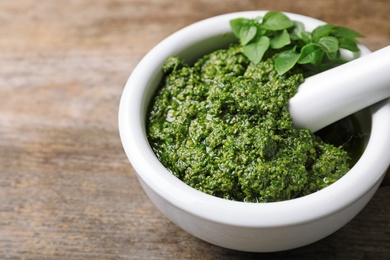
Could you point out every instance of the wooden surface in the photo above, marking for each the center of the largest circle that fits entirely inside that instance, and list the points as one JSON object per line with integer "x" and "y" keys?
{"x": 67, "y": 191}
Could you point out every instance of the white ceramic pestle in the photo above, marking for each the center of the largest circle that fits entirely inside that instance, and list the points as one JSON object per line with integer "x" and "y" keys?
{"x": 336, "y": 93}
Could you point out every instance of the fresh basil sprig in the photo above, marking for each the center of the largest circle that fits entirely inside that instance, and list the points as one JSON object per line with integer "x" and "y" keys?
{"x": 278, "y": 34}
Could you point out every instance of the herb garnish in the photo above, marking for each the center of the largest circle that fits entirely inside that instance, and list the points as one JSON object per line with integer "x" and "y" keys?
{"x": 276, "y": 33}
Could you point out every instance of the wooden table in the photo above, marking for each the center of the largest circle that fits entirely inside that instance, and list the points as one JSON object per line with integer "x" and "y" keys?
{"x": 67, "y": 190}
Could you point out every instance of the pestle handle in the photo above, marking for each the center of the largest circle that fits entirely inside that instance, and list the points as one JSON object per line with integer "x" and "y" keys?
{"x": 336, "y": 93}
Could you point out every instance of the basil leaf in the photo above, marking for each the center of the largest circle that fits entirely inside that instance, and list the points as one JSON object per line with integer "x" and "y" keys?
{"x": 321, "y": 31}
{"x": 275, "y": 21}
{"x": 329, "y": 44}
{"x": 343, "y": 32}
{"x": 255, "y": 50}
{"x": 296, "y": 33}
{"x": 276, "y": 30}
{"x": 348, "y": 44}
{"x": 285, "y": 61}
{"x": 236, "y": 25}
{"x": 281, "y": 39}
{"x": 333, "y": 55}
{"x": 311, "y": 53}
{"x": 306, "y": 37}
{"x": 247, "y": 33}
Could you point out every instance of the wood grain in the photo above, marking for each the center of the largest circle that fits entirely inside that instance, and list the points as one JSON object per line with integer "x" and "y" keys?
{"x": 67, "y": 190}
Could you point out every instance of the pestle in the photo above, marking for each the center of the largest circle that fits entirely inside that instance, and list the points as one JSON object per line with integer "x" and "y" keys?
{"x": 338, "y": 92}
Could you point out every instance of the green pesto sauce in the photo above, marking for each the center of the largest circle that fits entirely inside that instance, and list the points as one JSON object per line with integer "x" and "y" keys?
{"x": 222, "y": 126}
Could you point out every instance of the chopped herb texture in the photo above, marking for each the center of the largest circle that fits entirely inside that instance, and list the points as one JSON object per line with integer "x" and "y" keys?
{"x": 222, "y": 125}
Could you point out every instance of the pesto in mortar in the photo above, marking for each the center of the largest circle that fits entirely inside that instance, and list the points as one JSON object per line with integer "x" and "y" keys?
{"x": 222, "y": 126}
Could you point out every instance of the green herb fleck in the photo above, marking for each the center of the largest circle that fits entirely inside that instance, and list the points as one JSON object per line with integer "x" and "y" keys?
{"x": 222, "y": 126}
